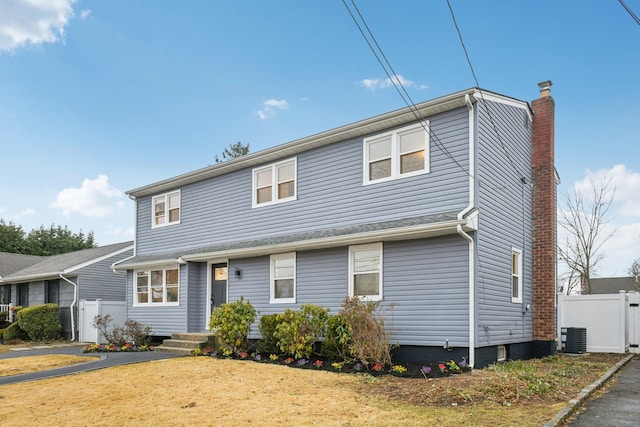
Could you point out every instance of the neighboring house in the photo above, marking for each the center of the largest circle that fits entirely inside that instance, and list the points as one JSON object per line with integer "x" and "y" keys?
{"x": 64, "y": 280}
{"x": 433, "y": 211}
{"x": 613, "y": 285}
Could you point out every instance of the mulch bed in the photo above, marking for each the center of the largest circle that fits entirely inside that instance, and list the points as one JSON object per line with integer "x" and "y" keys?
{"x": 319, "y": 363}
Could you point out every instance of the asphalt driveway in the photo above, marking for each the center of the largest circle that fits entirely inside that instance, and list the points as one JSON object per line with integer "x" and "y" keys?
{"x": 620, "y": 406}
{"x": 106, "y": 360}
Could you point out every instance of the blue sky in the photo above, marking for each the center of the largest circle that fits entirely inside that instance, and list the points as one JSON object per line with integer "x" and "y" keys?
{"x": 97, "y": 97}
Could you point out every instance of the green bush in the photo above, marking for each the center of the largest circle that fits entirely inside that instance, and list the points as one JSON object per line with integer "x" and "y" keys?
{"x": 4, "y": 315}
{"x": 231, "y": 323}
{"x": 13, "y": 332}
{"x": 298, "y": 330}
{"x": 337, "y": 338}
{"x": 268, "y": 342}
{"x": 40, "y": 322}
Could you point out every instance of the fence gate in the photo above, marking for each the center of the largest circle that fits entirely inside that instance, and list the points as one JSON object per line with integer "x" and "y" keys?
{"x": 633, "y": 322}
{"x": 90, "y": 309}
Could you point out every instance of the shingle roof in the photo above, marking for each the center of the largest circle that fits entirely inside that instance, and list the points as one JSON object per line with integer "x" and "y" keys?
{"x": 294, "y": 238}
{"x": 10, "y": 263}
{"x": 612, "y": 285}
{"x": 55, "y": 264}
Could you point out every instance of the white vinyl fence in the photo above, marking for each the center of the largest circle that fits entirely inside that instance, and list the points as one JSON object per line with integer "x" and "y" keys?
{"x": 612, "y": 321}
{"x": 90, "y": 309}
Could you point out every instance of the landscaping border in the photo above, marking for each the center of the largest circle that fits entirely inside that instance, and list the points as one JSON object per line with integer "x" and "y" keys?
{"x": 572, "y": 406}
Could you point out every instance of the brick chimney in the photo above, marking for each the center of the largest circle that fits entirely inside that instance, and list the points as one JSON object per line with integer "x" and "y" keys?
{"x": 544, "y": 224}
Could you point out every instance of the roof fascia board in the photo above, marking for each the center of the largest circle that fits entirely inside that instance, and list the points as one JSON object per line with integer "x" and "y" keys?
{"x": 146, "y": 264}
{"x": 501, "y": 99}
{"x": 354, "y": 130}
{"x": 32, "y": 277}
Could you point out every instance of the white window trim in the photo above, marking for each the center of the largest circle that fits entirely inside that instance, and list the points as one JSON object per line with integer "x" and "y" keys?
{"x": 164, "y": 287}
{"x": 368, "y": 247}
{"x": 274, "y": 183}
{"x": 166, "y": 209}
{"x": 519, "y": 298}
{"x": 395, "y": 154}
{"x": 272, "y": 278}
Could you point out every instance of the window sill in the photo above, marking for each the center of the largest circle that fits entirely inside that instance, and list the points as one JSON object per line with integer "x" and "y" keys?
{"x": 282, "y": 301}
{"x": 156, "y": 304}
{"x": 277, "y": 202}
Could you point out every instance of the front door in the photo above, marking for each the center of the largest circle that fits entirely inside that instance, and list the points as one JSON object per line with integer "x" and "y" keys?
{"x": 218, "y": 285}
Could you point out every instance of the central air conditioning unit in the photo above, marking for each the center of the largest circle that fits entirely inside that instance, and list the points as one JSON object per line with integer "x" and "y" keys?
{"x": 574, "y": 340}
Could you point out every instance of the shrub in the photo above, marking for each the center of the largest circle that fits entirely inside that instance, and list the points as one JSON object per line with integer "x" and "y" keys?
{"x": 337, "y": 338}
{"x": 132, "y": 331}
{"x": 41, "y": 322}
{"x": 231, "y": 323}
{"x": 138, "y": 333}
{"x": 114, "y": 335}
{"x": 268, "y": 342}
{"x": 4, "y": 315}
{"x": 297, "y": 331}
{"x": 369, "y": 342}
{"x": 13, "y": 332}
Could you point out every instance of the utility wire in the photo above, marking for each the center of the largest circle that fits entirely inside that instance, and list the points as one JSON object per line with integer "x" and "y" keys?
{"x": 397, "y": 84}
{"x": 630, "y": 12}
{"x": 484, "y": 102}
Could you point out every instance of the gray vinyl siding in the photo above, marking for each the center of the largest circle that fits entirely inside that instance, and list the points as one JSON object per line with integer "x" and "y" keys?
{"x": 505, "y": 221}
{"x": 98, "y": 280}
{"x": 425, "y": 287}
{"x": 163, "y": 319}
{"x": 330, "y": 193}
{"x": 197, "y": 296}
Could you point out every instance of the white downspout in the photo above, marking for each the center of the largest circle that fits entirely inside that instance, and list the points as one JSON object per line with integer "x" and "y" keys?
{"x": 75, "y": 299}
{"x": 472, "y": 290}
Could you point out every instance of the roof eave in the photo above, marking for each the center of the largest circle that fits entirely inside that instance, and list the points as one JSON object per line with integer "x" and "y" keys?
{"x": 404, "y": 233}
{"x": 354, "y": 130}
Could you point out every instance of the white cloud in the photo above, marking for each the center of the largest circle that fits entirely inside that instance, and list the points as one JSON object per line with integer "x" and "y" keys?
{"x": 96, "y": 198}
{"x": 271, "y": 106}
{"x": 85, "y": 14}
{"x": 373, "y": 84}
{"x": 25, "y": 22}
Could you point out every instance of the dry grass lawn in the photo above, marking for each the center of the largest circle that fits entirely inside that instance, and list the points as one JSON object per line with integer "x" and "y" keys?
{"x": 207, "y": 391}
{"x": 25, "y": 365}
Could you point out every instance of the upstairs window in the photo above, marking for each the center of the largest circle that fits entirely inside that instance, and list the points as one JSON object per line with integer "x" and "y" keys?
{"x": 396, "y": 154}
{"x": 283, "y": 278}
{"x": 365, "y": 271}
{"x": 516, "y": 275}
{"x": 166, "y": 209}
{"x": 160, "y": 286}
{"x": 274, "y": 183}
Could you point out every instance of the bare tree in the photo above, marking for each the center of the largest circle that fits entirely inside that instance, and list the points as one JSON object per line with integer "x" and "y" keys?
{"x": 584, "y": 220}
{"x": 634, "y": 270}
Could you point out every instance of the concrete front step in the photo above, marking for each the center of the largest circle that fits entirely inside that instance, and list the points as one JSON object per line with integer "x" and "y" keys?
{"x": 185, "y": 343}
{"x": 191, "y": 336}
{"x": 174, "y": 350}
{"x": 182, "y": 343}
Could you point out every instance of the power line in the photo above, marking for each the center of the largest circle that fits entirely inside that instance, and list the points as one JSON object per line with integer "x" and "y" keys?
{"x": 630, "y": 12}
{"x": 397, "y": 84}
{"x": 484, "y": 102}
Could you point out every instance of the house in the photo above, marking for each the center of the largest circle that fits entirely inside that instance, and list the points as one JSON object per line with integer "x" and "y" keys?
{"x": 613, "y": 285}
{"x": 63, "y": 279}
{"x": 443, "y": 212}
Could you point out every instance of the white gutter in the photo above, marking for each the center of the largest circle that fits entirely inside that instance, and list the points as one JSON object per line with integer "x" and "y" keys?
{"x": 472, "y": 290}
{"x": 75, "y": 299}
